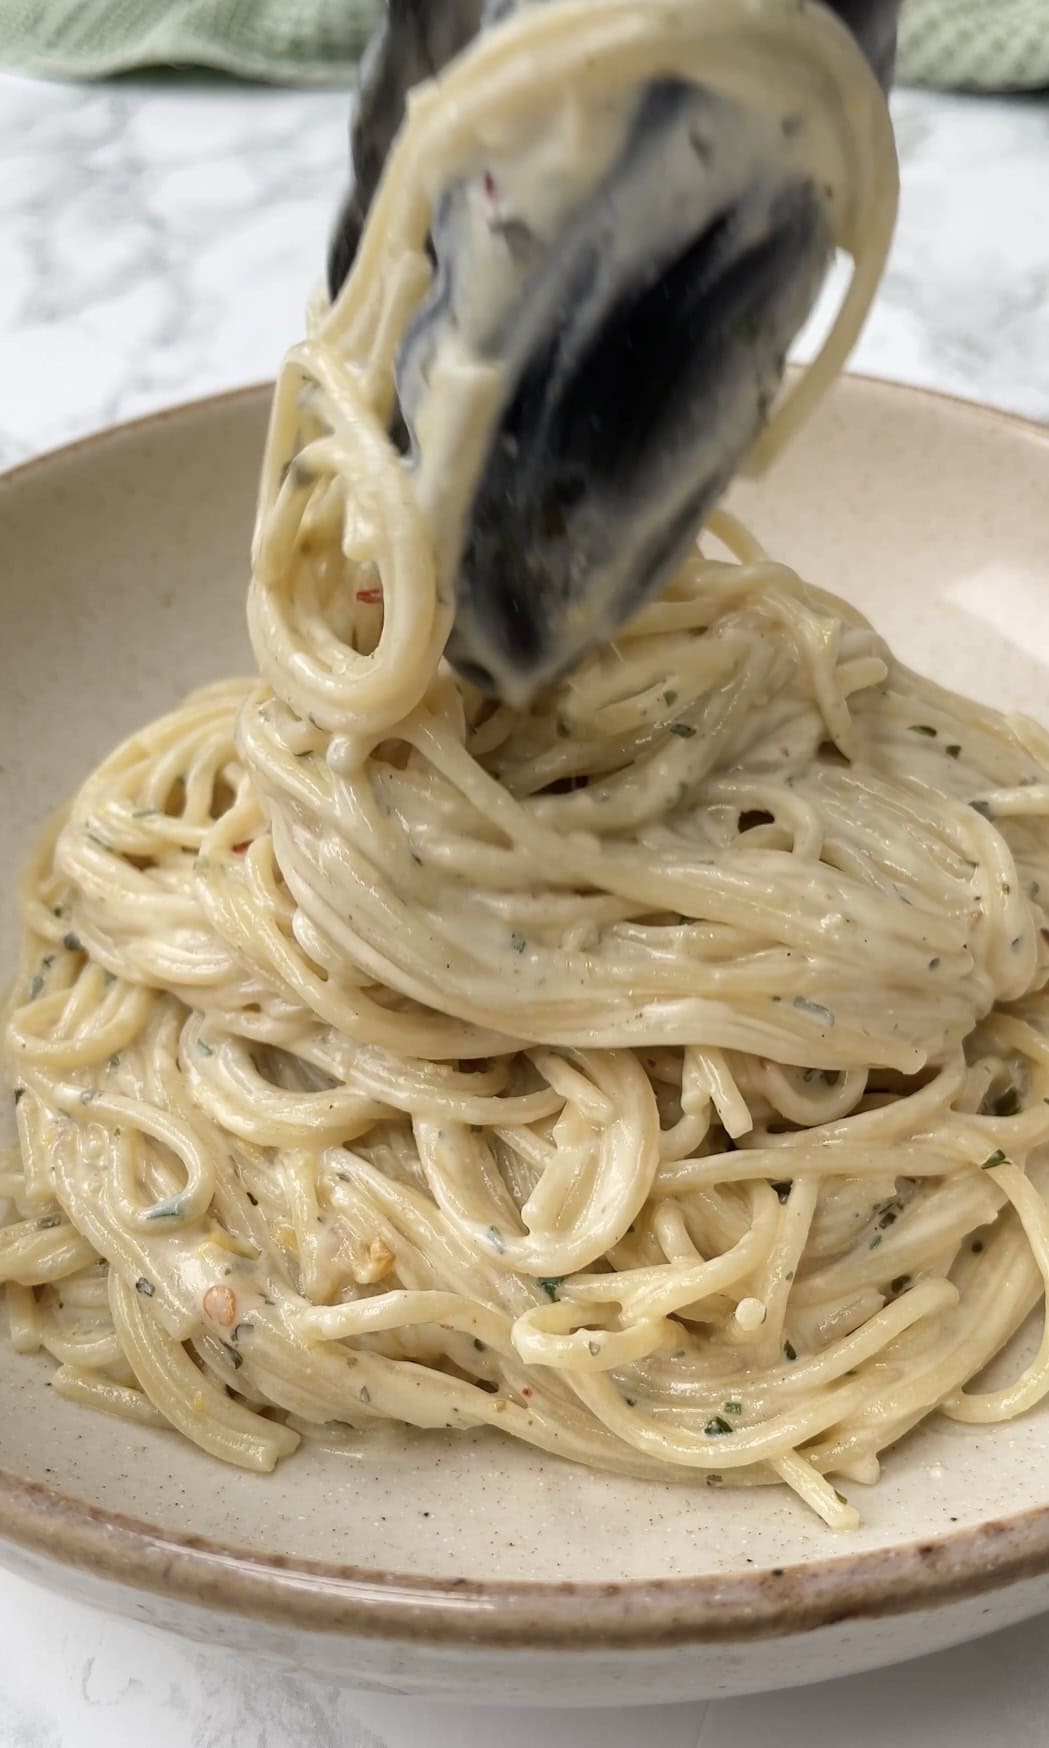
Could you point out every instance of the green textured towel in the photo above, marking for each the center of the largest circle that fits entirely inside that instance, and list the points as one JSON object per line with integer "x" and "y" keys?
{"x": 982, "y": 45}
{"x": 287, "y": 42}
{"x": 992, "y": 45}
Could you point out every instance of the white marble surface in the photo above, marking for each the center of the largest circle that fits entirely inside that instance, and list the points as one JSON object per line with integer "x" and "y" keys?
{"x": 156, "y": 243}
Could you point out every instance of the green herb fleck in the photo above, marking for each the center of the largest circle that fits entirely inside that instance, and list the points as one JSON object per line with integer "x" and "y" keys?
{"x": 790, "y": 1352}
{"x": 934, "y": 965}
{"x": 496, "y": 1240}
{"x": 146, "y": 1288}
{"x": 19, "y": 1094}
{"x": 551, "y": 1284}
{"x": 108, "y": 980}
{"x": 715, "y": 1480}
{"x": 670, "y": 697}
{"x": 479, "y": 1344}
{"x": 683, "y": 730}
{"x": 875, "y": 1241}
{"x": 169, "y": 1210}
{"x": 953, "y": 751}
{"x": 923, "y": 728}
{"x": 782, "y": 1190}
{"x": 205, "y": 1049}
{"x": 996, "y": 1158}
{"x": 145, "y": 813}
{"x": 49, "y": 1222}
{"x": 718, "y": 1427}
{"x": 981, "y": 807}
{"x": 518, "y": 942}
{"x": 35, "y": 987}
{"x": 733, "y": 1408}
{"x": 71, "y": 943}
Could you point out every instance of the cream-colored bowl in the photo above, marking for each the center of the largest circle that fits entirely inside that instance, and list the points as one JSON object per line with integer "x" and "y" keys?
{"x": 471, "y": 1567}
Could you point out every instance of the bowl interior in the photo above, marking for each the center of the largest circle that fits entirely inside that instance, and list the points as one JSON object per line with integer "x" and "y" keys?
{"x": 123, "y": 564}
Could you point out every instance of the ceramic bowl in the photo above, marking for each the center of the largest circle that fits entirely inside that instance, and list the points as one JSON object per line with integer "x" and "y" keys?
{"x": 471, "y": 1567}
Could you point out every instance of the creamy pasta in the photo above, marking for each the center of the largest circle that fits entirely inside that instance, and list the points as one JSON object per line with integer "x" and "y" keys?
{"x": 656, "y": 1073}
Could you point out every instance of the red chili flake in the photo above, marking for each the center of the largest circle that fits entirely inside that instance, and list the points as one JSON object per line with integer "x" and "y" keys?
{"x": 490, "y": 186}
{"x": 370, "y": 597}
{"x": 525, "y": 1391}
{"x": 242, "y": 849}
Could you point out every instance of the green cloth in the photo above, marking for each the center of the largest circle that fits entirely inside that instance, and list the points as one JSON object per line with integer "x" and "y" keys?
{"x": 977, "y": 45}
{"x": 286, "y": 42}
{"x": 989, "y": 45}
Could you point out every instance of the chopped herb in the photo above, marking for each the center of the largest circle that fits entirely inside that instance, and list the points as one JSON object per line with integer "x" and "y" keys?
{"x": 981, "y": 807}
{"x": 900, "y": 1284}
{"x": 875, "y": 1241}
{"x": 1006, "y": 1104}
{"x": 564, "y": 729}
{"x": 923, "y": 728}
{"x": 996, "y": 1158}
{"x": 790, "y": 1352}
{"x": 71, "y": 943}
{"x": 114, "y": 1062}
{"x": 593, "y": 1348}
{"x": 733, "y": 1408}
{"x": 35, "y": 987}
{"x": 366, "y": 1394}
{"x": 953, "y": 751}
{"x": 717, "y": 1427}
{"x": 551, "y": 1284}
{"x": 145, "y": 813}
{"x": 146, "y": 1288}
{"x": 669, "y": 697}
{"x": 815, "y": 1008}
{"x": 479, "y": 1344}
{"x": 497, "y": 1240}
{"x": 934, "y": 965}
{"x": 19, "y": 1094}
{"x": 518, "y": 942}
{"x": 631, "y": 1401}
{"x": 109, "y": 979}
{"x": 683, "y": 730}
{"x": 715, "y": 1480}
{"x": 236, "y": 1359}
{"x": 782, "y": 1190}
{"x": 840, "y": 1497}
{"x": 205, "y": 1049}
{"x": 168, "y": 1210}
{"x": 49, "y": 1222}
{"x": 888, "y": 1217}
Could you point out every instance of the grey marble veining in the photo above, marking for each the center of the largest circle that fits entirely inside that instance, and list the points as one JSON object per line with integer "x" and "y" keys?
{"x": 157, "y": 242}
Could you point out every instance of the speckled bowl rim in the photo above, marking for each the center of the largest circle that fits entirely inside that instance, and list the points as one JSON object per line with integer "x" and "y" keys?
{"x": 638, "y": 1614}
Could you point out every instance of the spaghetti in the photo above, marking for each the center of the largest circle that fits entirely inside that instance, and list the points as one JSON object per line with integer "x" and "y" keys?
{"x": 656, "y": 1074}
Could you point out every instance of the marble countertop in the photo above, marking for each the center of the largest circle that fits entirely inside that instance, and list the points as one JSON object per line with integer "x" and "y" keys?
{"x": 156, "y": 243}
